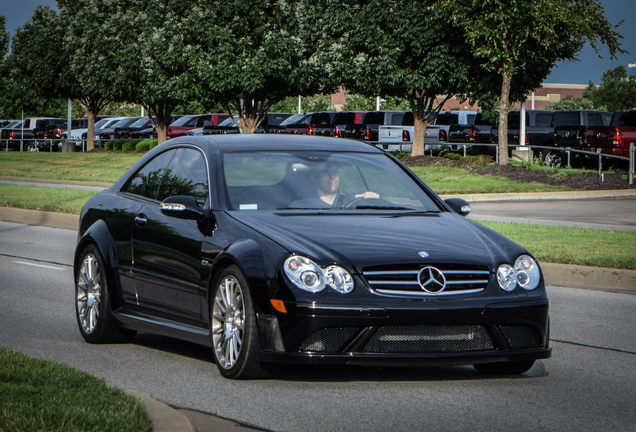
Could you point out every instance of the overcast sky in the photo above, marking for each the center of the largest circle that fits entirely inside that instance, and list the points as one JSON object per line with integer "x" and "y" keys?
{"x": 589, "y": 67}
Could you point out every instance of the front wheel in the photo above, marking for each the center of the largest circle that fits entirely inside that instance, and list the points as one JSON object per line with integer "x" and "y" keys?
{"x": 92, "y": 305}
{"x": 504, "y": 368}
{"x": 235, "y": 340}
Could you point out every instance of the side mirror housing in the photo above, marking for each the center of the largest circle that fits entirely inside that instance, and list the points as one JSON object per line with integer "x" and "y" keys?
{"x": 182, "y": 207}
{"x": 458, "y": 205}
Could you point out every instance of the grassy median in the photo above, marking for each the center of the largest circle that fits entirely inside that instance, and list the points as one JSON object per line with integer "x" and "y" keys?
{"x": 42, "y": 395}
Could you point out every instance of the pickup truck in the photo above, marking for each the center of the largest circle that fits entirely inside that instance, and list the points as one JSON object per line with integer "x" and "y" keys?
{"x": 615, "y": 138}
{"x": 479, "y": 133}
{"x": 31, "y": 136}
{"x": 317, "y": 123}
{"x": 188, "y": 122}
{"x": 397, "y": 138}
{"x": 368, "y": 129}
{"x": 436, "y": 135}
{"x": 539, "y": 129}
{"x": 570, "y": 131}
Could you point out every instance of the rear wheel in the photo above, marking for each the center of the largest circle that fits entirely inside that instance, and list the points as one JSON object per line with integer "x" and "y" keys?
{"x": 92, "y": 305}
{"x": 235, "y": 340}
{"x": 551, "y": 159}
{"x": 505, "y": 368}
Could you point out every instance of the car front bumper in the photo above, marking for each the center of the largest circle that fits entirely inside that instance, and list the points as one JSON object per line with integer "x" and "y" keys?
{"x": 407, "y": 337}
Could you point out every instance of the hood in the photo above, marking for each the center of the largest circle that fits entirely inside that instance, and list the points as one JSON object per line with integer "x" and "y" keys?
{"x": 362, "y": 240}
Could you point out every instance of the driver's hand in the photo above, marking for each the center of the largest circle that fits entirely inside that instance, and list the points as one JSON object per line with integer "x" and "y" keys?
{"x": 368, "y": 194}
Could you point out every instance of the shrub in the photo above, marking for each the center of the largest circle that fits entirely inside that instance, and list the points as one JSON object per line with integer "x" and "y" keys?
{"x": 145, "y": 145}
{"x": 117, "y": 144}
{"x": 127, "y": 146}
{"x": 108, "y": 146}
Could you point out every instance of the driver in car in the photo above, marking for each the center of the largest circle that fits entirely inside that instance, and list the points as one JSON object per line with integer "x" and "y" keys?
{"x": 327, "y": 193}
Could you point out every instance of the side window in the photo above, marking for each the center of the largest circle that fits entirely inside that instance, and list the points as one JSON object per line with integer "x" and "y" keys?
{"x": 595, "y": 119}
{"x": 204, "y": 121}
{"x": 187, "y": 175}
{"x": 147, "y": 180}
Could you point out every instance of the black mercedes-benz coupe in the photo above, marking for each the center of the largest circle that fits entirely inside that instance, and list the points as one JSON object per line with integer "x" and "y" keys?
{"x": 283, "y": 249}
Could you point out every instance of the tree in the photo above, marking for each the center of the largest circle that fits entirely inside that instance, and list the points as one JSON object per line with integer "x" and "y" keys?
{"x": 616, "y": 92}
{"x": 96, "y": 50}
{"x": 400, "y": 48}
{"x": 160, "y": 52}
{"x": 253, "y": 54}
{"x": 511, "y": 35}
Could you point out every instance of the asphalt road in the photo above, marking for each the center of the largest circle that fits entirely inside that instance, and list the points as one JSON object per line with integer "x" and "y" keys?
{"x": 603, "y": 213}
{"x": 587, "y": 385}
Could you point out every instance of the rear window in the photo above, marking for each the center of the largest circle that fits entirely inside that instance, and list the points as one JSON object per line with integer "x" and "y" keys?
{"x": 566, "y": 119}
{"x": 627, "y": 118}
{"x": 447, "y": 119}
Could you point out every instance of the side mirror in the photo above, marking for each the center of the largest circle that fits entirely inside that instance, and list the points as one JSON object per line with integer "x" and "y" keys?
{"x": 182, "y": 207}
{"x": 458, "y": 205}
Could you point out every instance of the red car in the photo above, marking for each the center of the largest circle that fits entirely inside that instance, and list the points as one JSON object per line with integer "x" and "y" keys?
{"x": 180, "y": 126}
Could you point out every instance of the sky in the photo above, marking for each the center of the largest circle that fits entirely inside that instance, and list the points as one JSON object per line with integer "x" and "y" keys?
{"x": 590, "y": 66}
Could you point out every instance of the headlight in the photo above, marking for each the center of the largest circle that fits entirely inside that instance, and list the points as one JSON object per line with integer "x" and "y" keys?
{"x": 525, "y": 273}
{"x": 309, "y": 276}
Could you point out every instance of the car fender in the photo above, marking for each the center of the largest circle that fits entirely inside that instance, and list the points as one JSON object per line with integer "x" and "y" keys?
{"x": 98, "y": 235}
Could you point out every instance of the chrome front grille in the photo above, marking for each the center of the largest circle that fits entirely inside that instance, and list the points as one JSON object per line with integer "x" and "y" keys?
{"x": 407, "y": 282}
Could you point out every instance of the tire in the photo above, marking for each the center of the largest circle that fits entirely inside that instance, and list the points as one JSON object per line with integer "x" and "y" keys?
{"x": 505, "y": 368}
{"x": 235, "y": 341}
{"x": 551, "y": 159}
{"x": 92, "y": 304}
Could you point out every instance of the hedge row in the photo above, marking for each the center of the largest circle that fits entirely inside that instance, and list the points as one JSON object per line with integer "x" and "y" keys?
{"x": 126, "y": 146}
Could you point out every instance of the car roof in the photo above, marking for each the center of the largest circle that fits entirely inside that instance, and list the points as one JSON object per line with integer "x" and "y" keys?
{"x": 246, "y": 142}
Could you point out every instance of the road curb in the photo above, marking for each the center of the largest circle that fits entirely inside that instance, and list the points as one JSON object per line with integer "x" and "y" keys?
{"x": 163, "y": 417}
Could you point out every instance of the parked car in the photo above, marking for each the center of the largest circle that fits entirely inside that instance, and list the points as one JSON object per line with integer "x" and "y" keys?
{"x": 436, "y": 134}
{"x": 291, "y": 249}
{"x": 615, "y": 138}
{"x": 368, "y": 129}
{"x": 539, "y": 129}
{"x": 477, "y": 133}
{"x": 30, "y": 135}
{"x": 180, "y": 126}
{"x": 108, "y": 134}
{"x": 570, "y": 131}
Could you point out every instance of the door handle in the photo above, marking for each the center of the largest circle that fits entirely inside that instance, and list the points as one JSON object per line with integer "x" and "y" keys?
{"x": 141, "y": 220}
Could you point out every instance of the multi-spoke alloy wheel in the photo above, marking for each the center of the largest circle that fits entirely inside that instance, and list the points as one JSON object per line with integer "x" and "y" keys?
{"x": 228, "y": 321}
{"x": 235, "y": 340}
{"x": 92, "y": 306}
{"x": 89, "y": 293}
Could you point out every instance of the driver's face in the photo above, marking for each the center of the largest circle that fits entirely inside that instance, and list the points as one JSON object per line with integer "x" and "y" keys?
{"x": 328, "y": 180}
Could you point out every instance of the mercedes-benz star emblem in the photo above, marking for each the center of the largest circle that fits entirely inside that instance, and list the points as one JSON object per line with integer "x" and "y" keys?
{"x": 431, "y": 280}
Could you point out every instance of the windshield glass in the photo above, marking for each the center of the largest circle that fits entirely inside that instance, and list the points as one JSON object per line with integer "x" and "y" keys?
{"x": 181, "y": 121}
{"x": 141, "y": 122}
{"x": 320, "y": 180}
{"x": 229, "y": 121}
{"x": 292, "y": 120}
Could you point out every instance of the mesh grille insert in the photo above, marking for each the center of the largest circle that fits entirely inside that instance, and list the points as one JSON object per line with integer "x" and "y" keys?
{"x": 521, "y": 336}
{"x": 328, "y": 339}
{"x": 430, "y": 339}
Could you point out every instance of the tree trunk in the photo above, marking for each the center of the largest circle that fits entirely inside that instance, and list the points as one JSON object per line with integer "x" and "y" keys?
{"x": 90, "y": 134}
{"x": 503, "y": 118}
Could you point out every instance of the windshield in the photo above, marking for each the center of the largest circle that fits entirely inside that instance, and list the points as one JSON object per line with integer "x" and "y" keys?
{"x": 141, "y": 122}
{"x": 293, "y": 119}
{"x": 181, "y": 121}
{"x": 229, "y": 121}
{"x": 303, "y": 180}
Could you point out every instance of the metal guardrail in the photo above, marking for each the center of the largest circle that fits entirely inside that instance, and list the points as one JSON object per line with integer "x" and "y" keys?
{"x": 568, "y": 151}
{"x": 37, "y": 144}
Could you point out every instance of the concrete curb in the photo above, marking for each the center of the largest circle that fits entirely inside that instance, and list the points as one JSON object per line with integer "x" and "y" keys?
{"x": 163, "y": 417}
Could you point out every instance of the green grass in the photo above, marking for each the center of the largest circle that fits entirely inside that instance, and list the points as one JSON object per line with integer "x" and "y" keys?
{"x": 96, "y": 167}
{"x": 57, "y": 200}
{"x": 570, "y": 245}
{"x": 42, "y": 395}
{"x": 445, "y": 180}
